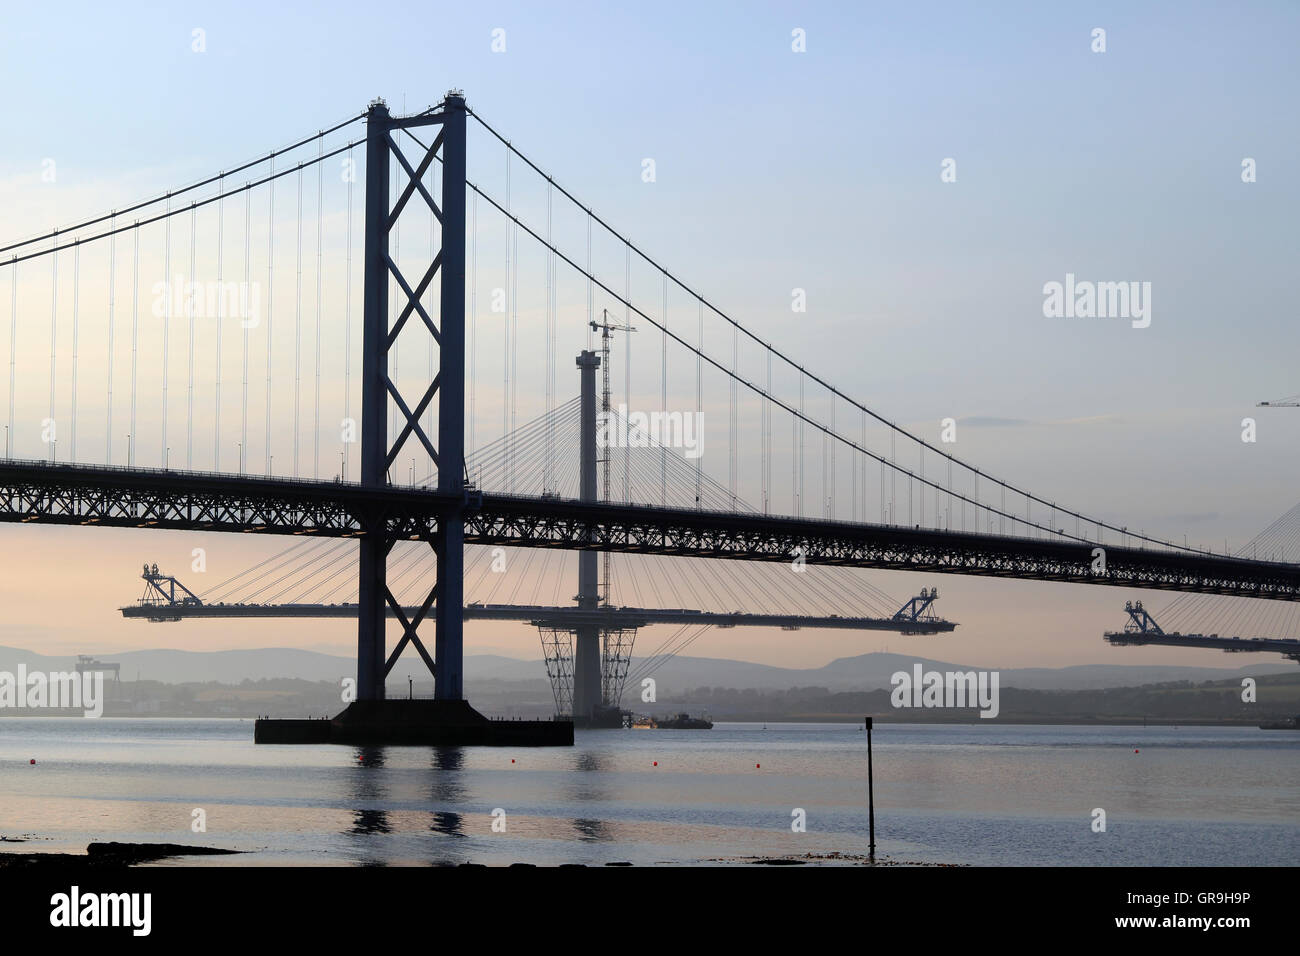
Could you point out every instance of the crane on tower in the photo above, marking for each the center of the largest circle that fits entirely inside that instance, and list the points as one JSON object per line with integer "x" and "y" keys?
{"x": 605, "y": 327}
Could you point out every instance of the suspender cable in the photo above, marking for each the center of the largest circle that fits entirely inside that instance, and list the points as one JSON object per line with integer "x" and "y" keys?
{"x": 297, "y": 334}
{"x": 189, "y": 309}
{"x": 514, "y": 345}
{"x": 13, "y": 351}
{"x": 245, "y": 324}
{"x": 885, "y": 517}
{"x": 270, "y": 292}
{"x": 548, "y": 463}
{"x": 473, "y": 313}
{"x": 825, "y": 496}
{"x": 799, "y": 509}
{"x": 859, "y": 462}
{"x": 51, "y": 437}
{"x": 921, "y": 472}
{"x": 505, "y": 326}
{"x": 166, "y": 329}
{"x": 794, "y": 464}
{"x": 767, "y": 439}
{"x": 132, "y": 438}
{"x": 347, "y": 329}
{"x": 961, "y": 517}
{"x": 555, "y": 292}
{"x": 893, "y": 476}
{"x": 320, "y": 221}
{"x": 699, "y": 399}
{"x": 663, "y": 401}
{"x": 223, "y": 312}
{"x": 76, "y": 308}
{"x": 733, "y": 450}
{"x": 627, "y": 361}
{"x": 830, "y": 501}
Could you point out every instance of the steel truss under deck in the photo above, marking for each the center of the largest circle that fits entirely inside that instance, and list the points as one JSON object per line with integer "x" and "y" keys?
{"x": 140, "y": 498}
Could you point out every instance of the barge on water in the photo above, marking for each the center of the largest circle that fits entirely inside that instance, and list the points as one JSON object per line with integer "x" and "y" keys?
{"x": 675, "y": 722}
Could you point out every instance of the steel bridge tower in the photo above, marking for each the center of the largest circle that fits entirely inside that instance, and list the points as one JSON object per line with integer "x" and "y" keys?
{"x": 378, "y": 449}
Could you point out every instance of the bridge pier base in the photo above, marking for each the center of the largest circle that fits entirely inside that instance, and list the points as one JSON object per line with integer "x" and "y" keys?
{"x": 426, "y": 723}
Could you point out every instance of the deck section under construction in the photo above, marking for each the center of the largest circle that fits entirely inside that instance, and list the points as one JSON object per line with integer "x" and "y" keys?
{"x": 1142, "y": 629}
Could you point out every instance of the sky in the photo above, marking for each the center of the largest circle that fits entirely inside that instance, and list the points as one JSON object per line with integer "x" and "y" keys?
{"x": 776, "y": 169}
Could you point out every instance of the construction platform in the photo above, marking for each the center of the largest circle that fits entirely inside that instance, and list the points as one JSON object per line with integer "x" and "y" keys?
{"x": 438, "y": 723}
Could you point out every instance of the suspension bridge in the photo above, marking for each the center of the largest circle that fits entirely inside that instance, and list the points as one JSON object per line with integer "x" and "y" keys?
{"x": 190, "y": 283}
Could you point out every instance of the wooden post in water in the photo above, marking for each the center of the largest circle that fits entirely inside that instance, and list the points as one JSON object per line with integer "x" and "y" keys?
{"x": 871, "y": 799}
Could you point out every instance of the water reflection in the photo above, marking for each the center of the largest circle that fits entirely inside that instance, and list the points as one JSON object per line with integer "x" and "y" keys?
{"x": 447, "y": 789}
{"x": 593, "y": 831}
{"x": 367, "y": 787}
{"x": 590, "y": 784}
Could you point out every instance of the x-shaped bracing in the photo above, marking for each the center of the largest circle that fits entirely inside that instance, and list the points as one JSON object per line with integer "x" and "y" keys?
{"x": 409, "y": 627}
{"x": 413, "y": 305}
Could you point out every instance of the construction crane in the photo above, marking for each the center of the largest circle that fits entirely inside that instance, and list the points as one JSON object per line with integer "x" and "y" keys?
{"x": 605, "y": 327}
{"x": 160, "y": 592}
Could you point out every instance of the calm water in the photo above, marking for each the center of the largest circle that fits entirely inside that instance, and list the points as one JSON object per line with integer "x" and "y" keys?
{"x": 955, "y": 794}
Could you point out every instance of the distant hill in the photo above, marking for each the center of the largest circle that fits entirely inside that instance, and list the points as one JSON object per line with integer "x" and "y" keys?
{"x": 863, "y": 672}
{"x": 871, "y": 671}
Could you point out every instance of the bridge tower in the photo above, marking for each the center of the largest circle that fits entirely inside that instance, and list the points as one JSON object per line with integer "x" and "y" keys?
{"x": 378, "y": 449}
{"x": 586, "y": 662}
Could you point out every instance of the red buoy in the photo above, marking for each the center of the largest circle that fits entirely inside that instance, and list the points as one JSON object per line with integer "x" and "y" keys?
{"x": 33, "y": 761}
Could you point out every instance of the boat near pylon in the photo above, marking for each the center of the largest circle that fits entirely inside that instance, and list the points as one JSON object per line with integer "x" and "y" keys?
{"x": 673, "y": 722}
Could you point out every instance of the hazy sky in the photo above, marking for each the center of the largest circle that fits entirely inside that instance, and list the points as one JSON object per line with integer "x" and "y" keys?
{"x": 775, "y": 170}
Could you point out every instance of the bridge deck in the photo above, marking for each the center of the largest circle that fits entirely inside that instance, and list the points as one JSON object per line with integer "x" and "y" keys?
{"x": 554, "y": 616}
{"x": 143, "y": 498}
{"x": 1278, "y": 645}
